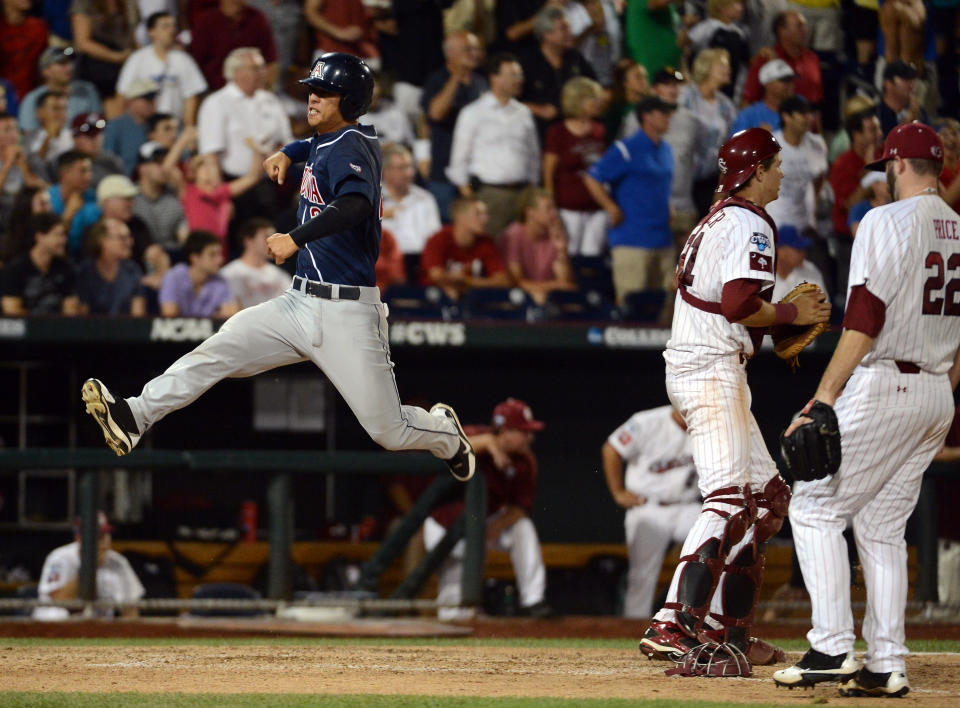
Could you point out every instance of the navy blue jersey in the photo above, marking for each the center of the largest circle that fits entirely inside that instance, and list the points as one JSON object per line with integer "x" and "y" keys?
{"x": 343, "y": 162}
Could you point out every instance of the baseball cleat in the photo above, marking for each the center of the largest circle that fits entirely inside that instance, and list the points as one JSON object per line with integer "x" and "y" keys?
{"x": 892, "y": 684}
{"x": 113, "y": 414}
{"x": 815, "y": 668}
{"x": 666, "y": 641}
{"x": 464, "y": 463}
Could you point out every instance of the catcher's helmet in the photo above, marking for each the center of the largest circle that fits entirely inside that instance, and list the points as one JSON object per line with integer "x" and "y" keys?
{"x": 346, "y": 75}
{"x": 741, "y": 154}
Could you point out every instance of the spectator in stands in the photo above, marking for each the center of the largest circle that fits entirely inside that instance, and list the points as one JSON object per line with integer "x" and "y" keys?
{"x": 722, "y": 28}
{"x": 878, "y": 194}
{"x": 386, "y": 115}
{"x": 715, "y": 114}
{"x": 115, "y": 578}
{"x": 840, "y": 142}
{"x": 53, "y": 135}
{"x": 16, "y": 238}
{"x": 252, "y": 277}
{"x": 224, "y": 29}
{"x": 88, "y": 139}
{"x": 241, "y": 120}
{"x": 22, "y": 40}
{"x": 157, "y": 203}
{"x": 792, "y": 266}
{"x": 823, "y": 19}
{"x": 630, "y": 84}
{"x": 899, "y": 104}
{"x": 902, "y": 24}
{"x": 602, "y": 42}
{"x": 177, "y": 75}
{"x": 572, "y": 145}
{"x": 285, "y": 18}
{"x": 391, "y": 268}
{"x": 509, "y": 469}
{"x": 949, "y": 131}
{"x": 15, "y": 172}
{"x": 124, "y": 135}
{"x": 651, "y": 32}
{"x": 164, "y": 130}
{"x": 640, "y": 239}
{"x": 804, "y": 164}
{"x": 790, "y": 29}
{"x": 196, "y": 288}
{"x": 41, "y": 281}
{"x": 495, "y": 153}
{"x": 72, "y": 198}
{"x": 535, "y": 248}
{"x": 777, "y": 77}
{"x": 115, "y": 196}
{"x": 547, "y": 68}
{"x": 515, "y": 20}
{"x": 409, "y": 211}
{"x": 342, "y": 26}
{"x": 104, "y": 35}
{"x": 445, "y": 93}
{"x": 462, "y": 256}
{"x": 109, "y": 280}
{"x": 56, "y": 69}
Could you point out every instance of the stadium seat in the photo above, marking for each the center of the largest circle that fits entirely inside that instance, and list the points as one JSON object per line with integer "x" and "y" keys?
{"x": 497, "y": 304}
{"x": 573, "y": 305}
{"x": 225, "y": 591}
{"x": 415, "y": 301}
{"x": 593, "y": 274}
{"x": 643, "y": 305}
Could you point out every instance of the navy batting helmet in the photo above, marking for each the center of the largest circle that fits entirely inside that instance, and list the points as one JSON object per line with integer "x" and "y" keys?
{"x": 346, "y": 75}
{"x": 742, "y": 153}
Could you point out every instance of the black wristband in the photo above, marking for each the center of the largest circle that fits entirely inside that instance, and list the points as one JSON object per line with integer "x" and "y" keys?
{"x": 341, "y": 214}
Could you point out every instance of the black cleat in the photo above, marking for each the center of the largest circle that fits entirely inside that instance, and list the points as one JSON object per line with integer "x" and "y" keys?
{"x": 892, "y": 684}
{"x": 815, "y": 668}
{"x": 464, "y": 463}
{"x": 112, "y": 414}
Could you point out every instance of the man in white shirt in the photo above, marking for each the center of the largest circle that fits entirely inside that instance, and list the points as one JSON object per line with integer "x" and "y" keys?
{"x": 115, "y": 578}
{"x": 53, "y": 136}
{"x": 496, "y": 152}
{"x": 409, "y": 212}
{"x": 180, "y": 79}
{"x": 793, "y": 267}
{"x": 252, "y": 277}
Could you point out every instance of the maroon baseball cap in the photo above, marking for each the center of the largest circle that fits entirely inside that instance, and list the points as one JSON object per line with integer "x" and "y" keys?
{"x": 88, "y": 124}
{"x": 909, "y": 140}
{"x": 103, "y": 524}
{"x": 516, "y": 415}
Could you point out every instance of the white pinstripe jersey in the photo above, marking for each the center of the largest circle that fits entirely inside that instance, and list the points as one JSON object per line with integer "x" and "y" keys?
{"x": 733, "y": 244}
{"x": 658, "y": 457}
{"x": 908, "y": 255}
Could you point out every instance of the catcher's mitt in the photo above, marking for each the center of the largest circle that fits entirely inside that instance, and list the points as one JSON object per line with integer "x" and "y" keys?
{"x": 812, "y": 451}
{"x": 789, "y": 340}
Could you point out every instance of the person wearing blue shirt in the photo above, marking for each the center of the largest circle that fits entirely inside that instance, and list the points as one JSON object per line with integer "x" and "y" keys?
{"x": 124, "y": 135}
{"x": 777, "y": 78}
{"x": 56, "y": 67}
{"x": 639, "y": 172}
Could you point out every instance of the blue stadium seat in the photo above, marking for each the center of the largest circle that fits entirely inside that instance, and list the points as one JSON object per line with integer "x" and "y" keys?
{"x": 643, "y": 305}
{"x": 497, "y": 304}
{"x": 225, "y": 591}
{"x": 415, "y": 301}
{"x": 573, "y": 305}
{"x": 593, "y": 274}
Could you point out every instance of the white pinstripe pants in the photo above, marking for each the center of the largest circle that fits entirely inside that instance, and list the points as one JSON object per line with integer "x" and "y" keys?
{"x": 727, "y": 448}
{"x": 891, "y": 426}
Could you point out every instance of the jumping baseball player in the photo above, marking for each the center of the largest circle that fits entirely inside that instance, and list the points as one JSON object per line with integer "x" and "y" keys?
{"x": 659, "y": 492}
{"x": 725, "y": 276}
{"x": 332, "y": 314}
{"x": 889, "y": 383}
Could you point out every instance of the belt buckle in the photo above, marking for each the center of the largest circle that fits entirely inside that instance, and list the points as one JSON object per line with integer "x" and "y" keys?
{"x": 334, "y": 291}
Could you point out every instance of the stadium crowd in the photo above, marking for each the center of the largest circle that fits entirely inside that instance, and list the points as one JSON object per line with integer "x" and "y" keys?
{"x": 561, "y": 149}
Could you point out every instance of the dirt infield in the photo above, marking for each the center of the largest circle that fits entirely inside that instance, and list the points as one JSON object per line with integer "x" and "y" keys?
{"x": 417, "y": 670}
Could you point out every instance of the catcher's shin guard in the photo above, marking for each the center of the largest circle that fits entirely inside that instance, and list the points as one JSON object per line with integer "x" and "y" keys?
{"x": 741, "y": 589}
{"x": 699, "y": 577}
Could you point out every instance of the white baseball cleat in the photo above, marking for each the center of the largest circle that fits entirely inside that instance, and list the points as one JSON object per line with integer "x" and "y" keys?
{"x": 816, "y": 667}
{"x": 892, "y": 684}
{"x": 464, "y": 463}
{"x": 112, "y": 414}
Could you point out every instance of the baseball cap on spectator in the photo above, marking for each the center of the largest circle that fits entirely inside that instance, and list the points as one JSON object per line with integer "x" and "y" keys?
{"x": 654, "y": 103}
{"x": 514, "y": 414}
{"x": 151, "y": 152}
{"x": 899, "y": 69}
{"x": 776, "y": 70}
{"x": 788, "y": 235}
{"x": 55, "y": 55}
{"x": 667, "y": 75}
{"x": 88, "y": 124}
{"x": 909, "y": 141}
{"x": 115, "y": 186}
{"x": 795, "y": 104}
{"x": 871, "y": 178}
{"x": 103, "y": 524}
{"x": 143, "y": 88}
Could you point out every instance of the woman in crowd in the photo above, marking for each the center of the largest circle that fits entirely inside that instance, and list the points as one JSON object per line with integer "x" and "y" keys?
{"x": 104, "y": 35}
{"x": 630, "y": 84}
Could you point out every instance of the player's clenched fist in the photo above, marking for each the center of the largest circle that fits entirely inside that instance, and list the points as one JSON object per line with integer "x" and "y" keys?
{"x": 812, "y": 307}
{"x": 281, "y": 247}
{"x": 276, "y": 166}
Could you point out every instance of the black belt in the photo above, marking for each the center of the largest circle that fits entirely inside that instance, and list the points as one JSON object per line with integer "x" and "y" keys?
{"x": 347, "y": 292}
{"x": 507, "y": 185}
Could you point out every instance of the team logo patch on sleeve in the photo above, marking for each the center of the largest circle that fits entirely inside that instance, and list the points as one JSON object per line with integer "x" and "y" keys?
{"x": 760, "y": 241}
{"x": 624, "y": 438}
{"x": 356, "y": 168}
{"x": 760, "y": 261}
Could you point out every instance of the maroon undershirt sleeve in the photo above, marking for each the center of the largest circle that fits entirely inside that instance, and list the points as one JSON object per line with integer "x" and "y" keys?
{"x": 865, "y": 311}
{"x": 740, "y": 299}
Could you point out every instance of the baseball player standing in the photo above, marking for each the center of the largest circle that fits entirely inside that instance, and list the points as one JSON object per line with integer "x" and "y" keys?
{"x": 889, "y": 383}
{"x": 659, "y": 492}
{"x": 332, "y": 314}
{"x": 725, "y": 277}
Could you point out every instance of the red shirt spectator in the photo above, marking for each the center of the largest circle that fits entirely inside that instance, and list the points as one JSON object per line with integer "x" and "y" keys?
{"x": 480, "y": 259}
{"x": 390, "y": 266}
{"x": 791, "y": 32}
{"x": 229, "y": 26}
{"x": 342, "y": 26}
{"x": 574, "y": 155}
{"x": 845, "y": 174}
{"x": 22, "y": 41}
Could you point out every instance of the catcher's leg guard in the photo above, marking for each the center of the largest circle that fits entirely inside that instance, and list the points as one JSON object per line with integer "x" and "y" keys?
{"x": 744, "y": 573}
{"x": 699, "y": 577}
